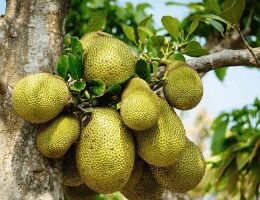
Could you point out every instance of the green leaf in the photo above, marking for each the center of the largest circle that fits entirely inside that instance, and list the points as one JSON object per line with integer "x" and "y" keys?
{"x": 219, "y": 128}
{"x": 155, "y": 67}
{"x": 97, "y": 86}
{"x": 216, "y": 25}
{"x": 78, "y": 86}
{"x": 193, "y": 48}
{"x": 177, "y": 56}
{"x": 63, "y": 66}
{"x": 212, "y": 5}
{"x": 114, "y": 90}
{"x": 75, "y": 66}
{"x": 242, "y": 159}
{"x": 193, "y": 26}
{"x": 129, "y": 32}
{"x": 221, "y": 73}
{"x": 145, "y": 20}
{"x": 157, "y": 41}
{"x": 143, "y": 32}
{"x": 143, "y": 70}
{"x": 76, "y": 46}
{"x": 233, "y": 10}
{"x": 97, "y": 21}
{"x": 171, "y": 25}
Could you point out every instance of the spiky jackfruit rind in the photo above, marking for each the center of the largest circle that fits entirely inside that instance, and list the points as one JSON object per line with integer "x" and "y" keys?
{"x": 185, "y": 174}
{"x": 105, "y": 154}
{"x": 55, "y": 138}
{"x": 163, "y": 144}
{"x": 39, "y": 98}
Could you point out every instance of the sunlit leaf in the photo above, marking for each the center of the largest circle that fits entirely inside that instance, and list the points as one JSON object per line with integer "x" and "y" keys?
{"x": 129, "y": 32}
{"x": 78, "y": 86}
{"x": 193, "y": 26}
{"x": 193, "y": 48}
{"x": 97, "y": 21}
{"x": 218, "y": 26}
{"x": 212, "y": 5}
{"x": 221, "y": 73}
{"x": 145, "y": 20}
{"x": 171, "y": 24}
{"x": 233, "y": 10}
{"x": 98, "y": 87}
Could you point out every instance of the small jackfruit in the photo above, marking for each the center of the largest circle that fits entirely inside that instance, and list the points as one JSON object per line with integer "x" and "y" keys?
{"x": 163, "y": 144}
{"x": 176, "y": 64}
{"x": 70, "y": 172}
{"x": 55, "y": 138}
{"x": 185, "y": 174}
{"x": 81, "y": 192}
{"x": 139, "y": 107}
{"x": 107, "y": 58}
{"x": 147, "y": 188}
{"x": 39, "y": 98}
{"x": 183, "y": 87}
{"x": 105, "y": 154}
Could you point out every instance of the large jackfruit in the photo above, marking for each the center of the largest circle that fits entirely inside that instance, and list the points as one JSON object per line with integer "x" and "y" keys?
{"x": 183, "y": 86}
{"x": 54, "y": 139}
{"x": 163, "y": 144}
{"x": 81, "y": 192}
{"x": 107, "y": 58}
{"x": 70, "y": 172}
{"x": 105, "y": 154}
{"x": 147, "y": 188}
{"x": 185, "y": 174}
{"x": 39, "y": 98}
{"x": 139, "y": 107}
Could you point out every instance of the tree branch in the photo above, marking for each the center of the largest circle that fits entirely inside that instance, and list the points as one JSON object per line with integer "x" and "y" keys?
{"x": 226, "y": 58}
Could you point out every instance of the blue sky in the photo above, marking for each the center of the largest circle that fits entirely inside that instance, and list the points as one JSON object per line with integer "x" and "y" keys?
{"x": 240, "y": 87}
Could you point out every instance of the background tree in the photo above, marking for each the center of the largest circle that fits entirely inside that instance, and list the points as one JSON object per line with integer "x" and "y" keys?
{"x": 31, "y": 41}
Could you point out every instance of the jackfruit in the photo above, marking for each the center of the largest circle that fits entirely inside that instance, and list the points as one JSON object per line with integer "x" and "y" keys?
{"x": 147, "y": 187}
{"x": 105, "y": 154}
{"x": 163, "y": 144}
{"x": 139, "y": 108}
{"x": 185, "y": 174}
{"x": 176, "y": 64}
{"x": 183, "y": 87}
{"x": 55, "y": 138}
{"x": 107, "y": 58}
{"x": 39, "y": 98}
{"x": 81, "y": 192}
{"x": 70, "y": 172}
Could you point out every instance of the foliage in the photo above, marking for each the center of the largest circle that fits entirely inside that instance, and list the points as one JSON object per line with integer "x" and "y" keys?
{"x": 234, "y": 166}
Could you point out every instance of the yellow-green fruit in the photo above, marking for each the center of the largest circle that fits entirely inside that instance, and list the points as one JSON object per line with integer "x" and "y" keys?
{"x": 105, "y": 154}
{"x": 81, "y": 192}
{"x": 135, "y": 175}
{"x": 183, "y": 88}
{"x": 176, "y": 64}
{"x": 147, "y": 187}
{"x": 39, "y": 98}
{"x": 185, "y": 174}
{"x": 70, "y": 172}
{"x": 55, "y": 138}
{"x": 163, "y": 144}
{"x": 140, "y": 108}
{"x": 108, "y": 59}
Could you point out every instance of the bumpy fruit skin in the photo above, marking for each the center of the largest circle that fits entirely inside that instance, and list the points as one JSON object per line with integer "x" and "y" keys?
{"x": 183, "y": 87}
{"x": 176, "y": 64}
{"x": 164, "y": 143}
{"x": 81, "y": 192}
{"x": 139, "y": 106}
{"x": 107, "y": 58}
{"x": 105, "y": 154}
{"x": 70, "y": 172}
{"x": 39, "y": 98}
{"x": 55, "y": 138}
{"x": 147, "y": 188}
{"x": 185, "y": 174}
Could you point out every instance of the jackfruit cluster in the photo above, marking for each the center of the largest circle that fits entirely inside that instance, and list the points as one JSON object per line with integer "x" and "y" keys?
{"x": 140, "y": 150}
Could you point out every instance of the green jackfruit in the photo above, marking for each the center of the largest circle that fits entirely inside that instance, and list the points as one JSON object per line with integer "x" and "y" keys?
{"x": 185, "y": 174}
{"x": 183, "y": 87}
{"x": 70, "y": 172}
{"x": 39, "y": 98}
{"x": 139, "y": 107}
{"x": 147, "y": 188}
{"x": 81, "y": 192}
{"x": 105, "y": 154}
{"x": 176, "y": 64}
{"x": 107, "y": 58}
{"x": 163, "y": 144}
{"x": 55, "y": 138}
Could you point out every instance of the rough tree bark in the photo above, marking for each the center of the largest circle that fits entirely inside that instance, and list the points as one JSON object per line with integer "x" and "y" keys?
{"x": 31, "y": 34}
{"x": 31, "y": 37}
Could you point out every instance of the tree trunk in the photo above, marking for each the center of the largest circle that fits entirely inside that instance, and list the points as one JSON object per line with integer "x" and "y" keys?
{"x": 31, "y": 37}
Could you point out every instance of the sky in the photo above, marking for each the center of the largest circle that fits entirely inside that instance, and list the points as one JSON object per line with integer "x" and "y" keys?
{"x": 240, "y": 87}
